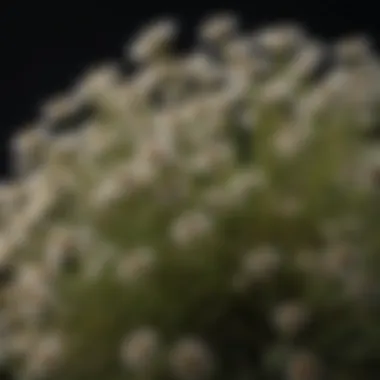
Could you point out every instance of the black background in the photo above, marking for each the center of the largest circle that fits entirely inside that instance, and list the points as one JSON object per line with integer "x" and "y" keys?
{"x": 45, "y": 46}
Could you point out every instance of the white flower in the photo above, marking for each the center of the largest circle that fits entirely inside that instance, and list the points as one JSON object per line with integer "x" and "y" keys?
{"x": 191, "y": 359}
{"x": 339, "y": 258}
{"x": 98, "y": 142}
{"x": 124, "y": 182}
{"x": 152, "y": 41}
{"x": 303, "y": 365}
{"x": 237, "y": 189}
{"x": 218, "y": 28}
{"x": 260, "y": 264}
{"x": 97, "y": 82}
{"x": 46, "y": 356}
{"x": 201, "y": 70}
{"x": 281, "y": 38}
{"x": 306, "y": 62}
{"x": 64, "y": 248}
{"x": 278, "y": 91}
{"x": 31, "y": 295}
{"x": 158, "y": 150}
{"x": 241, "y": 184}
{"x": 289, "y": 318}
{"x": 136, "y": 264}
{"x": 11, "y": 199}
{"x": 288, "y": 141}
{"x": 189, "y": 227}
{"x": 354, "y": 49}
{"x": 140, "y": 349}
{"x": 106, "y": 192}
{"x": 29, "y": 149}
{"x": 65, "y": 148}
{"x": 239, "y": 52}
{"x": 57, "y": 107}
{"x": 207, "y": 161}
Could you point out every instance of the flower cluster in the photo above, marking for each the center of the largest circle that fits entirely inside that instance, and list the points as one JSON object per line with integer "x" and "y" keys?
{"x": 213, "y": 215}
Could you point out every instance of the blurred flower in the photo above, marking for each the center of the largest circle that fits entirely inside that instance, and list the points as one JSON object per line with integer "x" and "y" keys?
{"x": 281, "y": 39}
{"x": 45, "y": 357}
{"x": 258, "y": 265}
{"x": 289, "y": 318}
{"x": 218, "y": 28}
{"x": 140, "y": 350}
{"x": 191, "y": 359}
{"x": 189, "y": 227}
{"x": 303, "y": 365}
{"x": 153, "y": 41}
{"x": 353, "y": 50}
{"x": 136, "y": 264}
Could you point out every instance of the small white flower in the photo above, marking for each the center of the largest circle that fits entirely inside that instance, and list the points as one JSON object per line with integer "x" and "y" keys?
{"x": 191, "y": 359}
{"x": 152, "y": 41}
{"x": 46, "y": 356}
{"x": 218, "y": 28}
{"x": 235, "y": 191}
{"x": 289, "y": 318}
{"x": 148, "y": 81}
{"x": 338, "y": 259}
{"x": 108, "y": 191}
{"x": 189, "y": 227}
{"x": 201, "y": 70}
{"x": 303, "y": 365}
{"x": 57, "y": 107}
{"x": 217, "y": 156}
{"x": 136, "y": 264}
{"x": 98, "y": 142}
{"x": 124, "y": 182}
{"x": 65, "y": 148}
{"x": 29, "y": 149}
{"x": 140, "y": 350}
{"x": 158, "y": 150}
{"x": 31, "y": 295}
{"x": 241, "y": 184}
{"x": 11, "y": 198}
{"x": 20, "y": 344}
{"x": 142, "y": 173}
{"x": 282, "y": 38}
{"x": 277, "y": 92}
{"x": 64, "y": 248}
{"x": 354, "y": 49}
{"x": 289, "y": 141}
{"x": 260, "y": 264}
{"x": 97, "y": 81}
{"x": 239, "y": 52}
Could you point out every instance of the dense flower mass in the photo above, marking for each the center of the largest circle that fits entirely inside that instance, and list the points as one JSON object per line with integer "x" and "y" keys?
{"x": 213, "y": 215}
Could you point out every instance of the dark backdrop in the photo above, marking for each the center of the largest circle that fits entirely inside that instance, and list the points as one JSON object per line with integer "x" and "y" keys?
{"x": 43, "y": 47}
